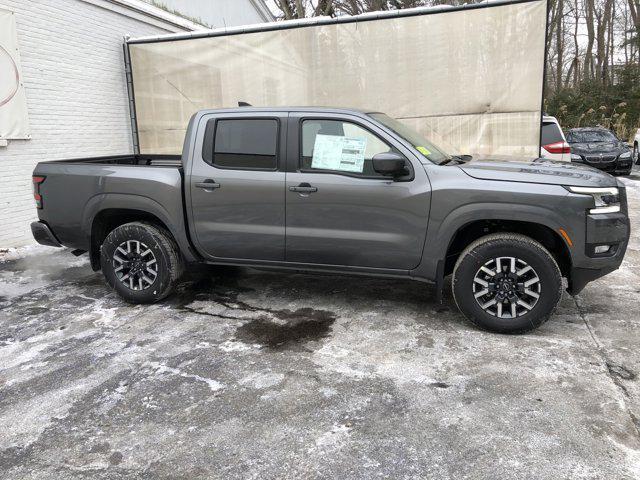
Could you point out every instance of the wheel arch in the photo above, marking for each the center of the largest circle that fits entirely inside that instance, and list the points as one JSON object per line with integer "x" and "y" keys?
{"x": 491, "y": 217}
{"x": 105, "y": 212}
{"x": 543, "y": 234}
{"x": 108, "y": 219}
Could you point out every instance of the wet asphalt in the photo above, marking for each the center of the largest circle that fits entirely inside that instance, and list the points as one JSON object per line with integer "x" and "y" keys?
{"x": 255, "y": 374}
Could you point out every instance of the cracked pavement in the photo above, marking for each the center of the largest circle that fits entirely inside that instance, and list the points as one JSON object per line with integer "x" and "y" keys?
{"x": 254, "y": 374}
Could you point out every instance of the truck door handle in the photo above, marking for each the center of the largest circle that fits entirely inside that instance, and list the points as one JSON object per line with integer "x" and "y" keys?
{"x": 208, "y": 184}
{"x": 303, "y": 188}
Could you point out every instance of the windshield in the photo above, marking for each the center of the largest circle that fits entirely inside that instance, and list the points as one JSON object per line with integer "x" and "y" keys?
{"x": 591, "y": 136}
{"x": 426, "y": 148}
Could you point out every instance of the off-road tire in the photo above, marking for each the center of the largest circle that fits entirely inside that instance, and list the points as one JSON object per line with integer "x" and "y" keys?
{"x": 507, "y": 245}
{"x": 165, "y": 251}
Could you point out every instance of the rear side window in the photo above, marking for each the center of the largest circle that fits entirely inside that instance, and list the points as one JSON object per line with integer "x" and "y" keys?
{"x": 551, "y": 133}
{"x": 244, "y": 144}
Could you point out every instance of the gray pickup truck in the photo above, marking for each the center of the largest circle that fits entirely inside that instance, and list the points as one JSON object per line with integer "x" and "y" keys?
{"x": 345, "y": 191}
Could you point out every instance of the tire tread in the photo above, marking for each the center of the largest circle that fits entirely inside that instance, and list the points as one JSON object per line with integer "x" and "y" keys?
{"x": 169, "y": 248}
{"x": 508, "y": 239}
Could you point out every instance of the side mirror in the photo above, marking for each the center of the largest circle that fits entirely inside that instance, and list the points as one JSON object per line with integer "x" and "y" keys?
{"x": 390, "y": 163}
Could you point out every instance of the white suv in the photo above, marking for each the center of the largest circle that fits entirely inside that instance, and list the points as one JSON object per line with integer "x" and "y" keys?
{"x": 554, "y": 145}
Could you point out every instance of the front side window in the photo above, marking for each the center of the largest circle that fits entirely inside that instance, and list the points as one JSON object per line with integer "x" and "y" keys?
{"x": 246, "y": 144}
{"x": 339, "y": 146}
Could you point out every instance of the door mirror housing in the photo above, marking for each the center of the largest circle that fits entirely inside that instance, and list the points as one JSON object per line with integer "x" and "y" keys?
{"x": 390, "y": 163}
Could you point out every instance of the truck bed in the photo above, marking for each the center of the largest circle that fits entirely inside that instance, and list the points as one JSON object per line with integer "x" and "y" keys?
{"x": 132, "y": 159}
{"x": 75, "y": 190}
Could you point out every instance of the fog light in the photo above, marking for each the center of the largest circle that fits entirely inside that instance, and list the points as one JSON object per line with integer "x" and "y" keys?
{"x": 602, "y": 249}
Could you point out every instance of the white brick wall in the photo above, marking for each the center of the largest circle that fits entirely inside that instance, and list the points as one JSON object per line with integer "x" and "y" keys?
{"x": 72, "y": 62}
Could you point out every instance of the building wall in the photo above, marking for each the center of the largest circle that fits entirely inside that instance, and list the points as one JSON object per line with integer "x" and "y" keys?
{"x": 72, "y": 63}
{"x": 221, "y": 13}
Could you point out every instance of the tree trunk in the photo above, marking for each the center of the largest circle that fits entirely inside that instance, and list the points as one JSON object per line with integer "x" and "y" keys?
{"x": 588, "y": 54}
{"x": 603, "y": 18}
{"x": 559, "y": 43}
{"x": 576, "y": 46}
{"x": 634, "y": 10}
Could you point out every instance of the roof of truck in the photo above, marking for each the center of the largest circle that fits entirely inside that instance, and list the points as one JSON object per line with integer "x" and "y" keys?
{"x": 360, "y": 111}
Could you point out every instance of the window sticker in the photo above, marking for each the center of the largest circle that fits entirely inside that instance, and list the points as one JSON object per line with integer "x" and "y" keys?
{"x": 333, "y": 152}
{"x": 423, "y": 150}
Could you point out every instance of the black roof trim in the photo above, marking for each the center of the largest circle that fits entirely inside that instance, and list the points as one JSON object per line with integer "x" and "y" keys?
{"x": 308, "y": 109}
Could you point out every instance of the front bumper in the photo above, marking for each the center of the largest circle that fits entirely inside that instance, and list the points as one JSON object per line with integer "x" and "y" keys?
{"x": 603, "y": 229}
{"x": 580, "y": 277}
{"x": 624, "y": 165}
{"x": 615, "y": 165}
{"x": 43, "y": 234}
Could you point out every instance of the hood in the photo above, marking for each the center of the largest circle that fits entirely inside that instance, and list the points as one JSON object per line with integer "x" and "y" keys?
{"x": 611, "y": 148}
{"x": 537, "y": 170}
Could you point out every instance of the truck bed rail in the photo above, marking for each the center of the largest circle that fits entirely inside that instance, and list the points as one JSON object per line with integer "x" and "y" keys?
{"x": 132, "y": 159}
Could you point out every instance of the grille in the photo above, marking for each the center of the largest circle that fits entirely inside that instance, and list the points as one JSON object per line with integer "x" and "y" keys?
{"x": 600, "y": 159}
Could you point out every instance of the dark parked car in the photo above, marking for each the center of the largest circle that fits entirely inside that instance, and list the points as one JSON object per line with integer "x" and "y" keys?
{"x": 343, "y": 191}
{"x": 600, "y": 148}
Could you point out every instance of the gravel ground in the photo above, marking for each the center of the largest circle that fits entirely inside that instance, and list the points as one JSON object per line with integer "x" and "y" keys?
{"x": 253, "y": 374}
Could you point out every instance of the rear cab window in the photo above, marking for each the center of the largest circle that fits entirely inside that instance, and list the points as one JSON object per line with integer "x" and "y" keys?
{"x": 242, "y": 144}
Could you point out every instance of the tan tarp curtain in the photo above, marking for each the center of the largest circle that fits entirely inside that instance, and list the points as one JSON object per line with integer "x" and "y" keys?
{"x": 14, "y": 122}
{"x": 472, "y": 76}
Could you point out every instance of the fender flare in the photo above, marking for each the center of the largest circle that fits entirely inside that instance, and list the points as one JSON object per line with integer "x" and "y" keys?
{"x": 439, "y": 241}
{"x": 470, "y": 213}
{"x": 124, "y": 201}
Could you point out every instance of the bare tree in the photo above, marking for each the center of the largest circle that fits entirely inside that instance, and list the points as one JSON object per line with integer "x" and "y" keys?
{"x": 559, "y": 43}
{"x": 634, "y": 10}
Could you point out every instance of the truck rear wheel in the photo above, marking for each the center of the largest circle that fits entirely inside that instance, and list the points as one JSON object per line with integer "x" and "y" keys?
{"x": 507, "y": 283}
{"x": 141, "y": 262}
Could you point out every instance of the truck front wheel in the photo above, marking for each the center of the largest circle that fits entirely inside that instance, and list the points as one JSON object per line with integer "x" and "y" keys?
{"x": 141, "y": 262}
{"x": 507, "y": 283}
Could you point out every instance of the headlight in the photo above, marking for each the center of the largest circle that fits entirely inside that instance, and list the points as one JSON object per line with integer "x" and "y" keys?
{"x": 607, "y": 200}
{"x": 625, "y": 155}
{"x": 575, "y": 157}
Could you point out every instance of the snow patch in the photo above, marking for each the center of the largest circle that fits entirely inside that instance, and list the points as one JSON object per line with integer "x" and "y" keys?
{"x": 16, "y": 253}
{"x": 332, "y": 440}
{"x": 106, "y": 314}
{"x": 262, "y": 380}
{"x": 633, "y": 457}
{"x": 234, "y": 346}
{"x": 14, "y": 354}
{"x": 13, "y": 285}
{"x": 162, "y": 369}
